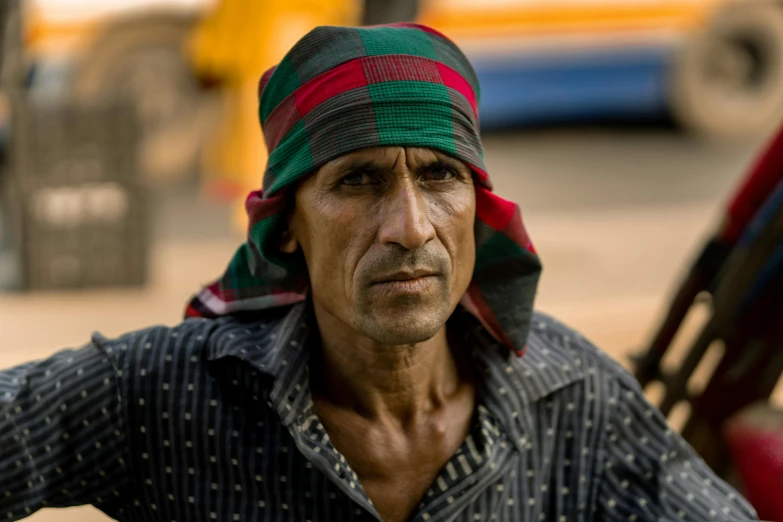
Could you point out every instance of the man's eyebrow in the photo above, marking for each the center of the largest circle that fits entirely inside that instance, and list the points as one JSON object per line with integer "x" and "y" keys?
{"x": 370, "y": 166}
{"x": 445, "y": 161}
{"x": 359, "y": 165}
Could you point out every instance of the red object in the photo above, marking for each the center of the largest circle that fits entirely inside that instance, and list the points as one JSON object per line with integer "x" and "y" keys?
{"x": 755, "y": 189}
{"x": 755, "y": 439}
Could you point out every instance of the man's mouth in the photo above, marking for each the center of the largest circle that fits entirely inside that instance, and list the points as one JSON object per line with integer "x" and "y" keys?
{"x": 404, "y": 275}
{"x": 406, "y": 282}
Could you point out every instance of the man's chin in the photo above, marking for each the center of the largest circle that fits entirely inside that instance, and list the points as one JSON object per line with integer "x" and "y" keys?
{"x": 402, "y": 327}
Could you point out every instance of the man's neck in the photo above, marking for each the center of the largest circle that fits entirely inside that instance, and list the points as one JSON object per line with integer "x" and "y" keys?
{"x": 394, "y": 384}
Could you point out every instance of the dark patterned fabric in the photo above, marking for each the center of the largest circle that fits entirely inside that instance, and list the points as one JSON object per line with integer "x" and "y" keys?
{"x": 213, "y": 420}
{"x": 341, "y": 89}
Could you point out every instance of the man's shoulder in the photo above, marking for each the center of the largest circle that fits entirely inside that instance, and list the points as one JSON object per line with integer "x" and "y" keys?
{"x": 194, "y": 340}
{"x": 551, "y": 335}
{"x": 558, "y": 349}
{"x": 189, "y": 336}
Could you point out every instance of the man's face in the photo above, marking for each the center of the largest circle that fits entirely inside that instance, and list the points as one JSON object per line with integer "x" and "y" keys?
{"x": 387, "y": 235}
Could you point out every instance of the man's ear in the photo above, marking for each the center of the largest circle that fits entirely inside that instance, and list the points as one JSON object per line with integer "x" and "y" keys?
{"x": 288, "y": 242}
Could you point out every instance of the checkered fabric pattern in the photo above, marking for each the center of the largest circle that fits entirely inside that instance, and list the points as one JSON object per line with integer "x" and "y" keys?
{"x": 341, "y": 89}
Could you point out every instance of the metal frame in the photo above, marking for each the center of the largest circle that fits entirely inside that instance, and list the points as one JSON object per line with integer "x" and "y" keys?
{"x": 745, "y": 287}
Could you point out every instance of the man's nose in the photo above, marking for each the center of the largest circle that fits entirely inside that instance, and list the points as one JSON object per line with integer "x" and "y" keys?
{"x": 405, "y": 220}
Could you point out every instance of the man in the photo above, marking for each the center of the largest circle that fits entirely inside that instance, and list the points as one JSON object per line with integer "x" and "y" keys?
{"x": 371, "y": 352}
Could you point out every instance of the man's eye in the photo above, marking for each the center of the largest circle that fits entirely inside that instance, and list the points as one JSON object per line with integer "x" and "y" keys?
{"x": 355, "y": 179}
{"x": 439, "y": 174}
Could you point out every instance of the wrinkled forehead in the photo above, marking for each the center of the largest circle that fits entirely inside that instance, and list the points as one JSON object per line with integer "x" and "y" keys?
{"x": 389, "y": 157}
{"x": 387, "y": 160}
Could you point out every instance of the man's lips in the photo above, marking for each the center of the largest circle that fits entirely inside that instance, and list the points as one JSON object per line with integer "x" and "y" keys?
{"x": 405, "y": 282}
{"x": 409, "y": 287}
{"x": 404, "y": 275}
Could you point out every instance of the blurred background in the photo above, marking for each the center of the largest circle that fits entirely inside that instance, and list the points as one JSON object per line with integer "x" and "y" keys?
{"x": 129, "y": 137}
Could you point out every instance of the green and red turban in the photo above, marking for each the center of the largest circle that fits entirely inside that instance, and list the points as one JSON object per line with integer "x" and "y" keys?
{"x": 341, "y": 89}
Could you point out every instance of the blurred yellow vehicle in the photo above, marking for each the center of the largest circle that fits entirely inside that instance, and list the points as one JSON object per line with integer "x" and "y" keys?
{"x": 715, "y": 65}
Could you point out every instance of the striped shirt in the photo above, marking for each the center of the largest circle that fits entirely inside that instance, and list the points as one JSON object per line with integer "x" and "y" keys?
{"x": 213, "y": 420}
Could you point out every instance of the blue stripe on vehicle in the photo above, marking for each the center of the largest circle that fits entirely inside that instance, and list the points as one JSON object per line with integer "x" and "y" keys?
{"x": 525, "y": 90}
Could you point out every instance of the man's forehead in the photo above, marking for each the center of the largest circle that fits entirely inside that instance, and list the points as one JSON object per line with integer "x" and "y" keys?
{"x": 388, "y": 157}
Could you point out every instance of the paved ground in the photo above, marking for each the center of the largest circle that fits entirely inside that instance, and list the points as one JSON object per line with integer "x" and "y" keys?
{"x": 615, "y": 213}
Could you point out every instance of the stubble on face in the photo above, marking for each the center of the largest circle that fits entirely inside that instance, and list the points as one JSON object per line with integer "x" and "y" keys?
{"x": 407, "y": 315}
{"x": 387, "y": 235}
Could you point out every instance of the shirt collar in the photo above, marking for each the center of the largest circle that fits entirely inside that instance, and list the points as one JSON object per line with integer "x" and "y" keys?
{"x": 277, "y": 346}
{"x": 267, "y": 342}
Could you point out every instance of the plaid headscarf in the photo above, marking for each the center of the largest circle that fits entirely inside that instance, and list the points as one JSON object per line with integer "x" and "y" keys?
{"x": 341, "y": 89}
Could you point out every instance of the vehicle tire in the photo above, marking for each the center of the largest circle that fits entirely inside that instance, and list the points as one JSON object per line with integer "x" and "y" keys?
{"x": 728, "y": 78}
{"x": 142, "y": 58}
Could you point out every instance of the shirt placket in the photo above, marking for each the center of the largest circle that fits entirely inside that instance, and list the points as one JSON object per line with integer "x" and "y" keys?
{"x": 482, "y": 459}
{"x": 314, "y": 443}
{"x": 292, "y": 398}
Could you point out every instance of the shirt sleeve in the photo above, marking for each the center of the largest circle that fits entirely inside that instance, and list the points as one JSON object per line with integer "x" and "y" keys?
{"x": 61, "y": 435}
{"x": 650, "y": 473}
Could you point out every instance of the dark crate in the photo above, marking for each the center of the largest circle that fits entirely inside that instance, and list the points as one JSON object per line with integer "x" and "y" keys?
{"x": 82, "y": 204}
